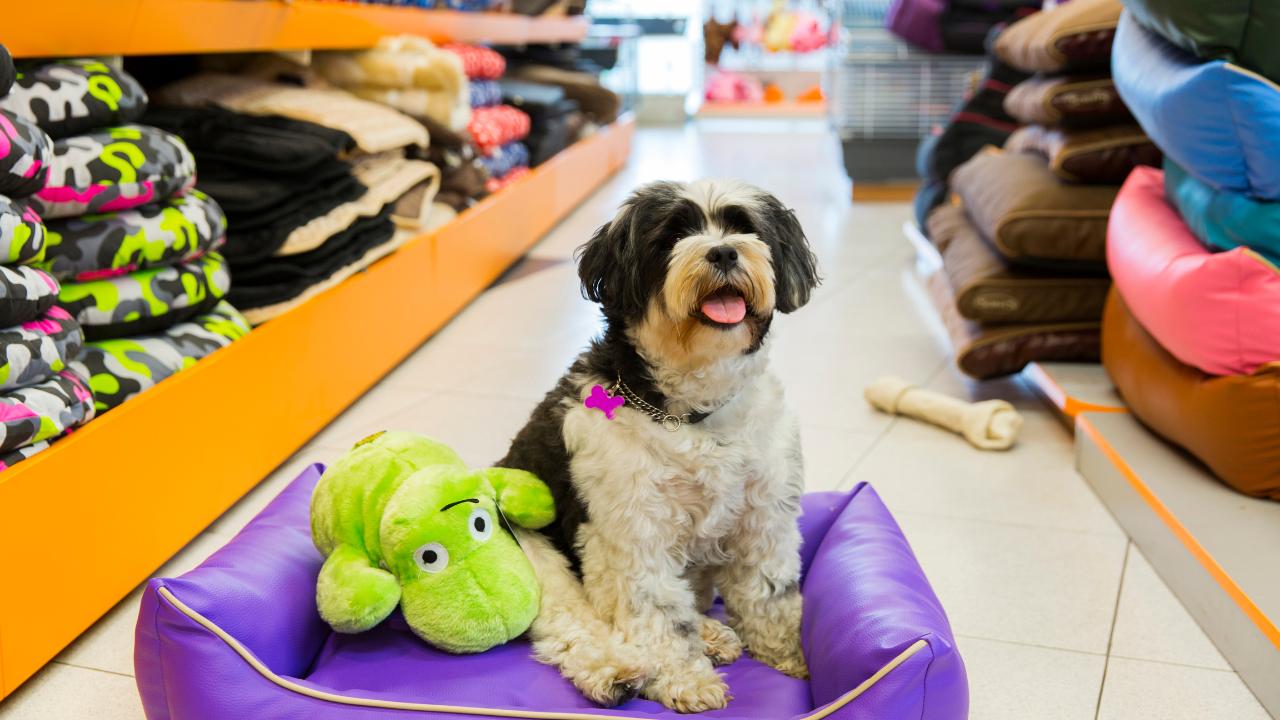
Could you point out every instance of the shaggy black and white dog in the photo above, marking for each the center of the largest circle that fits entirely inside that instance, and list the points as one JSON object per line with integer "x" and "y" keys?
{"x": 693, "y": 486}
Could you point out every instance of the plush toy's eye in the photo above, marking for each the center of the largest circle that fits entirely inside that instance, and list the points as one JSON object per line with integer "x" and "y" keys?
{"x": 432, "y": 557}
{"x": 480, "y": 524}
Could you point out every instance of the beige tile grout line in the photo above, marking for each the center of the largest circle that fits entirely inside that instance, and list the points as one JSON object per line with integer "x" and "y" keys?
{"x": 91, "y": 669}
{"x": 1009, "y": 524}
{"x": 1115, "y": 617}
{"x": 1037, "y": 646}
{"x": 1170, "y": 663}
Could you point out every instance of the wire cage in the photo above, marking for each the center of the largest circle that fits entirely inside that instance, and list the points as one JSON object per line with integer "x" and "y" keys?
{"x": 885, "y": 95}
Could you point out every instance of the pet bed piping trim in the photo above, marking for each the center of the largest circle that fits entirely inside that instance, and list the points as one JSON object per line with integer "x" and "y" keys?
{"x": 291, "y": 686}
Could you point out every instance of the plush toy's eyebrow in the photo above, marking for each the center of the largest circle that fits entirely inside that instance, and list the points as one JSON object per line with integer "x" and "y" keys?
{"x": 459, "y": 502}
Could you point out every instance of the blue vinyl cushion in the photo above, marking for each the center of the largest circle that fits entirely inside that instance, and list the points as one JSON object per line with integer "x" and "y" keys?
{"x": 1217, "y": 120}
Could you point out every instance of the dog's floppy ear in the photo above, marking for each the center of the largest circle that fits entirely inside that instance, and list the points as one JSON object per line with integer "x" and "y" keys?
{"x": 601, "y": 266}
{"x": 613, "y": 266}
{"x": 794, "y": 265}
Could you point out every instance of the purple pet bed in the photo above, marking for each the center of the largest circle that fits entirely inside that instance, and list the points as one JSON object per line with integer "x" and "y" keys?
{"x": 239, "y": 637}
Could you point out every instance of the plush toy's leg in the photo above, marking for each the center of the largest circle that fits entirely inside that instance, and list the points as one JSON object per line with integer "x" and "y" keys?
{"x": 353, "y": 595}
{"x": 522, "y": 497}
{"x": 639, "y": 587}
{"x": 570, "y": 635}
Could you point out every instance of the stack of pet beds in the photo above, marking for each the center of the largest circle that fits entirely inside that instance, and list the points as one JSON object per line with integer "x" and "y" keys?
{"x": 432, "y": 86}
{"x": 555, "y": 120}
{"x": 953, "y": 26}
{"x": 568, "y": 69}
{"x": 1191, "y": 337}
{"x": 978, "y": 121}
{"x": 132, "y": 246}
{"x": 1024, "y": 241}
{"x": 411, "y": 75}
{"x": 496, "y": 128}
{"x": 41, "y": 396}
{"x": 313, "y": 179}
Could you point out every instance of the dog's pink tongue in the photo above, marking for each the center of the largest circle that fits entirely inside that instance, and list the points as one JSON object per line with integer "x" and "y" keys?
{"x": 726, "y": 309}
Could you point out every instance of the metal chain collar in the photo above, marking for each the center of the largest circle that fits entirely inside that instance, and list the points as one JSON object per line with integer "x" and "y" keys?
{"x": 669, "y": 422}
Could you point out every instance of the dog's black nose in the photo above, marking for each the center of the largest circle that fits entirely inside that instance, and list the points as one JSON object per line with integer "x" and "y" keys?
{"x": 724, "y": 257}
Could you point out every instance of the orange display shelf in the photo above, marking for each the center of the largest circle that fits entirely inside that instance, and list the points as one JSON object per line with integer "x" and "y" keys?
{"x": 784, "y": 109}
{"x": 62, "y": 28}
{"x": 84, "y": 522}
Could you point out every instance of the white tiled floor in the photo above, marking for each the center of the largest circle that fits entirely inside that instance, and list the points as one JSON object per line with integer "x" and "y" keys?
{"x": 1057, "y": 615}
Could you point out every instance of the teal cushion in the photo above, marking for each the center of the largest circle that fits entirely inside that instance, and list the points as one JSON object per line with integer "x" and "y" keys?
{"x": 1221, "y": 219}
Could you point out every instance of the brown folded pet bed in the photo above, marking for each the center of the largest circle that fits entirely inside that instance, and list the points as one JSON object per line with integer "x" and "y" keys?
{"x": 1072, "y": 36}
{"x": 1105, "y": 155}
{"x": 985, "y": 352}
{"x": 1073, "y": 101}
{"x": 988, "y": 289}
{"x": 1030, "y": 215}
{"x": 1230, "y": 422}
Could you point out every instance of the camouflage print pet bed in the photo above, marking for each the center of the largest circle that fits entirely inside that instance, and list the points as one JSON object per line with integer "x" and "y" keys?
{"x": 44, "y": 411}
{"x": 66, "y": 97}
{"x": 22, "y": 235}
{"x": 7, "y": 71}
{"x": 33, "y": 351}
{"x": 25, "y": 294}
{"x": 148, "y": 300}
{"x": 13, "y": 457}
{"x": 120, "y": 369}
{"x": 114, "y": 169}
{"x": 25, "y": 152}
{"x": 94, "y": 247}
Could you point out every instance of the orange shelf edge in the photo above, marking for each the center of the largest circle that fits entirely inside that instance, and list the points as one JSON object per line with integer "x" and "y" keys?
{"x": 1265, "y": 625}
{"x": 1069, "y": 406}
{"x": 152, "y": 27}
{"x": 786, "y": 108}
{"x": 84, "y": 522}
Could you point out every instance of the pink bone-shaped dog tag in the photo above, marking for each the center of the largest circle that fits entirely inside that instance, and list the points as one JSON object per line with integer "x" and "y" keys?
{"x": 604, "y": 402}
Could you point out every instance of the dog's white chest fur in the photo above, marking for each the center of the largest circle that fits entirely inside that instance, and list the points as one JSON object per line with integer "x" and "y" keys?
{"x": 689, "y": 487}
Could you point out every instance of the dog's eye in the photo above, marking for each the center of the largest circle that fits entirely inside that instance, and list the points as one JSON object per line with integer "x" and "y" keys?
{"x": 432, "y": 557}
{"x": 480, "y": 524}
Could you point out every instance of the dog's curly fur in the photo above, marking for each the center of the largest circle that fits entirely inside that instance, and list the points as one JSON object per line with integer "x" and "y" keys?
{"x": 651, "y": 523}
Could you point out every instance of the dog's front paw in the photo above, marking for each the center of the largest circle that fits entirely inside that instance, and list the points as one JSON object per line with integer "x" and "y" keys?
{"x": 610, "y": 685}
{"x": 722, "y": 643}
{"x": 605, "y": 670}
{"x": 689, "y": 690}
{"x": 787, "y": 659}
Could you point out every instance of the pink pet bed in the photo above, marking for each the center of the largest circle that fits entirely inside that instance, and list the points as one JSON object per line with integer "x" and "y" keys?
{"x": 1219, "y": 312}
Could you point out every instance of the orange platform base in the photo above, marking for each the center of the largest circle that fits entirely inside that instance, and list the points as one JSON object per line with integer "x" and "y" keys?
{"x": 784, "y": 109}
{"x": 84, "y": 522}
{"x": 875, "y": 192}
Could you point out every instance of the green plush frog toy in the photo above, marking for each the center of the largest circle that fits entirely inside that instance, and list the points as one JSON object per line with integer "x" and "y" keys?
{"x": 401, "y": 520}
